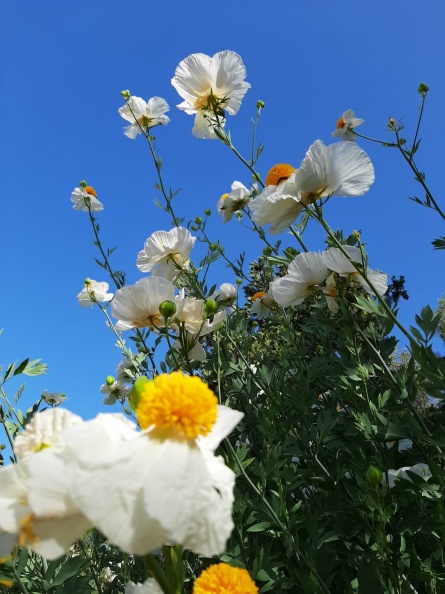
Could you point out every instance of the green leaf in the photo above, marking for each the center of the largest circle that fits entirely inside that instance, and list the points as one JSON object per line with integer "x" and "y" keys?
{"x": 68, "y": 570}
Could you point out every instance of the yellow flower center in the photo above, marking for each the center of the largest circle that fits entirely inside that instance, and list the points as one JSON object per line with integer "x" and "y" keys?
{"x": 224, "y": 579}
{"x": 258, "y": 295}
{"x": 340, "y": 123}
{"x": 91, "y": 191}
{"x": 27, "y": 535}
{"x": 224, "y": 196}
{"x": 41, "y": 446}
{"x": 177, "y": 404}
{"x": 278, "y": 174}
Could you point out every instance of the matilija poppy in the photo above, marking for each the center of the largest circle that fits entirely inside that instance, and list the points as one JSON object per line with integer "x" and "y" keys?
{"x": 85, "y": 198}
{"x": 345, "y": 126}
{"x": 164, "y": 484}
{"x": 144, "y": 116}
{"x": 340, "y": 169}
{"x": 94, "y": 292}
{"x": 210, "y": 83}
{"x": 305, "y": 274}
{"x": 228, "y": 204}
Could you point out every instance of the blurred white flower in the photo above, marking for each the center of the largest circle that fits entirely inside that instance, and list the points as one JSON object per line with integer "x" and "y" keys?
{"x": 336, "y": 261}
{"x": 236, "y": 200}
{"x": 210, "y": 83}
{"x": 163, "y": 485}
{"x": 262, "y": 303}
{"x": 116, "y": 390}
{"x": 53, "y": 397}
{"x": 226, "y": 296}
{"x": 121, "y": 371}
{"x": 144, "y": 116}
{"x": 420, "y": 469}
{"x": 345, "y": 126}
{"x": 305, "y": 274}
{"x": 94, "y": 292}
{"x": 85, "y": 199}
{"x": 166, "y": 253}
{"x": 150, "y": 586}
{"x": 137, "y": 306}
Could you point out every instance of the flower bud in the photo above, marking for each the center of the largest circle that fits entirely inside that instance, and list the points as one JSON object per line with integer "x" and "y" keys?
{"x": 82, "y": 183}
{"x": 374, "y": 476}
{"x": 126, "y": 94}
{"x": 211, "y": 307}
{"x": 110, "y": 380}
{"x": 392, "y": 122}
{"x": 423, "y": 88}
{"x": 87, "y": 282}
{"x": 213, "y": 247}
{"x": 137, "y": 391}
{"x": 207, "y": 212}
{"x": 267, "y": 251}
{"x": 238, "y": 282}
{"x": 260, "y": 104}
{"x": 167, "y": 309}
{"x": 198, "y": 220}
{"x": 194, "y": 228}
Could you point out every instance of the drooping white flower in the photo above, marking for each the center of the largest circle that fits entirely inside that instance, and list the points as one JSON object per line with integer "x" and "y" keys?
{"x": 85, "y": 199}
{"x": 144, "y": 116}
{"x": 150, "y": 586}
{"x": 137, "y": 306}
{"x": 262, "y": 303}
{"x": 115, "y": 390}
{"x": 53, "y": 397}
{"x": 420, "y": 469}
{"x": 165, "y": 253}
{"x": 94, "y": 292}
{"x": 226, "y": 295}
{"x": 305, "y": 274}
{"x": 345, "y": 126}
{"x": 228, "y": 204}
{"x": 208, "y": 83}
{"x": 164, "y": 485}
{"x": 336, "y": 261}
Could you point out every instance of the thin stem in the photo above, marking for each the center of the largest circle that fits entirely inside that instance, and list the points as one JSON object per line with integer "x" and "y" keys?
{"x": 91, "y": 562}
{"x": 298, "y": 238}
{"x": 155, "y": 571}
{"x": 19, "y": 581}
{"x": 418, "y": 123}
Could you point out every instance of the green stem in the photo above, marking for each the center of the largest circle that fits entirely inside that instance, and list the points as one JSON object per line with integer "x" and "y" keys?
{"x": 156, "y": 573}
{"x": 92, "y": 565}
{"x": 21, "y": 585}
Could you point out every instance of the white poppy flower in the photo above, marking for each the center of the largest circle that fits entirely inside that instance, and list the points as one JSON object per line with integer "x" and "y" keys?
{"x": 420, "y": 469}
{"x": 150, "y": 586}
{"x": 336, "y": 261}
{"x": 345, "y": 126}
{"x": 304, "y": 275}
{"x": 85, "y": 199}
{"x": 144, "y": 116}
{"x": 53, "y": 397}
{"x": 331, "y": 293}
{"x": 94, "y": 292}
{"x": 117, "y": 390}
{"x": 166, "y": 253}
{"x": 164, "y": 485}
{"x": 262, "y": 303}
{"x": 206, "y": 82}
{"x": 236, "y": 200}
{"x": 137, "y": 306}
{"x": 226, "y": 295}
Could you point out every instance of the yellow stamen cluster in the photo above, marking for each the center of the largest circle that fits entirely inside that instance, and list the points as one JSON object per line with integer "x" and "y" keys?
{"x": 278, "y": 174}
{"x": 41, "y": 446}
{"x": 258, "y": 295}
{"x": 178, "y": 405}
{"x": 27, "y": 535}
{"x": 224, "y": 579}
{"x": 91, "y": 191}
{"x": 340, "y": 123}
{"x": 224, "y": 196}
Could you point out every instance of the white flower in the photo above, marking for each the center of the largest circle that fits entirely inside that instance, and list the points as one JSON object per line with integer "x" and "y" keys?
{"x": 226, "y": 295}
{"x": 144, "y": 116}
{"x": 346, "y": 125}
{"x": 206, "y": 83}
{"x": 53, "y": 397}
{"x": 117, "y": 390}
{"x": 304, "y": 275}
{"x": 94, "y": 292}
{"x": 336, "y": 261}
{"x": 85, "y": 199}
{"x": 166, "y": 253}
{"x": 331, "y": 293}
{"x": 262, "y": 303}
{"x": 150, "y": 586}
{"x": 137, "y": 306}
{"x": 121, "y": 370}
{"x": 236, "y": 200}
{"x": 278, "y": 206}
{"x": 402, "y": 473}
{"x": 164, "y": 485}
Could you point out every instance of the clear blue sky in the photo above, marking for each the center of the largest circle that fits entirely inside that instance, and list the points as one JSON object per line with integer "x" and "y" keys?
{"x": 63, "y": 67}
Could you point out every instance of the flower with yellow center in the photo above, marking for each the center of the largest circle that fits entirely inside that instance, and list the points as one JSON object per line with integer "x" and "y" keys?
{"x": 230, "y": 203}
{"x": 345, "y": 126}
{"x": 144, "y": 116}
{"x": 279, "y": 174}
{"x": 166, "y": 253}
{"x": 164, "y": 484}
{"x": 262, "y": 303}
{"x": 222, "y": 578}
{"x": 85, "y": 198}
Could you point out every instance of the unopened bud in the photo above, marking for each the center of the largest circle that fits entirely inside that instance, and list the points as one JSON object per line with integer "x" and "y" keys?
{"x": 260, "y": 104}
{"x": 207, "y": 212}
{"x": 126, "y": 94}
{"x": 110, "y": 380}
{"x": 213, "y": 247}
{"x": 211, "y": 307}
{"x": 82, "y": 183}
{"x": 374, "y": 476}
{"x": 137, "y": 391}
{"x": 423, "y": 88}
{"x": 198, "y": 220}
{"x": 167, "y": 309}
{"x": 267, "y": 251}
{"x": 238, "y": 282}
{"x": 194, "y": 228}
{"x": 87, "y": 282}
{"x": 392, "y": 122}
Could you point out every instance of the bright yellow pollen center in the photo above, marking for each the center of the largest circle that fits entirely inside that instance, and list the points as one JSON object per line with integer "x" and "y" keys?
{"x": 224, "y": 196}
{"x": 178, "y": 405}
{"x": 278, "y": 174}
{"x": 258, "y": 295}
{"x": 224, "y": 579}
{"x": 91, "y": 191}
{"x": 27, "y": 536}
{"x": 340, "y": 123}
{"x": 40, "y": 447}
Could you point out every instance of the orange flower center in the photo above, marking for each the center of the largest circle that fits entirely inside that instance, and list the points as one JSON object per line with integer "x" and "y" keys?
{"x": 224, "y": 196}
{"x": 258, "y": 295}
{"x": 91, "y": 191}
{"x": 340, "y": 123}
{"x": 224, "y": 579}
{"x": 278, "y": 174}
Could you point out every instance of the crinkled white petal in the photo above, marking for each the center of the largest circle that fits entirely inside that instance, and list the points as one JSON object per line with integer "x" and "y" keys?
{"x": 278, "y": 206}
{"x": 308, "y": 267}
{"x": 164, "y": 247}
{"x": 150, "y": 586}
{"x": 378, "y": 279}
{"x": 336, "y": 261}
{"x": 94, "y": 292}
{"x": 288, "y": 292}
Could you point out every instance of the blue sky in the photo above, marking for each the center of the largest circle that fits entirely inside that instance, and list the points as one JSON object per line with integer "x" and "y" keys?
{"x": 63, "y": 67}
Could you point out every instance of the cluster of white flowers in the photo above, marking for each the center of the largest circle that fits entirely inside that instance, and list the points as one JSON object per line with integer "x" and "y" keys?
{"x": 141, "y": 488}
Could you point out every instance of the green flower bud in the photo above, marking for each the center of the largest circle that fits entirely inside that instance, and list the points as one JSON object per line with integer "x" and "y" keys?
{"x": 194, "y": 228}
{"x": 82, "y": 183}
{"x": 267, "y": 251}
{"x": 211, "y": 307}
{"x": 126, "y": 94}
{"x": 374, "y": 476}
{"x": 87, "y": 282}
{"x": 110, "y": 380}
{"x": 423, "y": 88}
{"x": 198, "y": 220}
{"x": 260, "y": 104}
{"x": 213, "y": 247}
{"x": 137, "y": 391}
{"x": 167, "y": 309}
{"x": 238, "y": 282}
{"x": 207, "y": 212}
{"x": 392, "y": 122}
